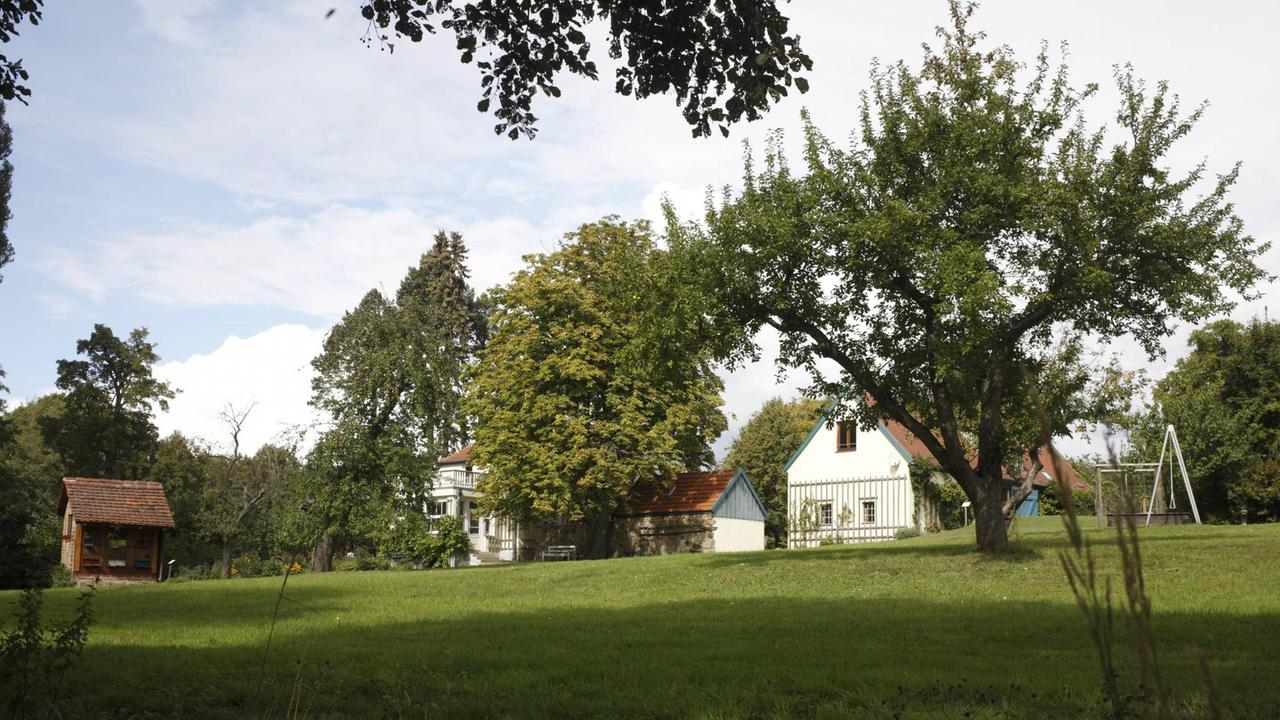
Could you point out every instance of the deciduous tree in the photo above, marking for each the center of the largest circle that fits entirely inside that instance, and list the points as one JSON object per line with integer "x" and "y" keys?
{"x": 596, "y": 376}
{"x": 1224, "y": 400}
{"x": 238, "y": 489}
{"x": 12, "y": 75}
{"x": 107, "y": 429}
{"x": 723, "y": 61}
{"x": 977, "y": 220}
{"x": 6, "y": 187}
{"x": 763, "y": 446}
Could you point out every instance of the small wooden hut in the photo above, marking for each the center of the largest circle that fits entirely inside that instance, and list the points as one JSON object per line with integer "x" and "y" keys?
{"x": 113, "y": 529}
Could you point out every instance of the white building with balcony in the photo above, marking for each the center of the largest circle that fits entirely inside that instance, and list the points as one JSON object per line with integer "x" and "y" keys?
{"x": 493, "y": 539}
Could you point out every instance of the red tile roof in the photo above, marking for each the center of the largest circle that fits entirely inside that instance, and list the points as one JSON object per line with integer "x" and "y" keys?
{"x": 907, "y": 439}
{"x": 116, "y": 502}
{"x": 462, "y": 455}
{"x": 1047, "y": 456}
{"x": 691, "y": 492}
{"x": 1052, "y": 463}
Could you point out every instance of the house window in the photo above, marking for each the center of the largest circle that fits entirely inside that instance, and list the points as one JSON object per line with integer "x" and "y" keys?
{"x": 826, "y": 514}
{"x": 846, "y": 436}
{"x": 438, "y": 508}
{"x": 868, "y": 512}
{"x": 473, "y": 526}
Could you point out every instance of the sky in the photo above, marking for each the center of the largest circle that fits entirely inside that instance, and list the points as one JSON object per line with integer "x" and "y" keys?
{"x": 234, "y": 175}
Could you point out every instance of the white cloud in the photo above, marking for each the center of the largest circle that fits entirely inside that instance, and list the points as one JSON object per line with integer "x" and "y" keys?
{"x": 270, "y": 371}
{"x": 320, "y": 264}
{"x": 59, "y": 307}
{"x": 176, "y": 22}
{"x": 747, "y": 388}
{"x": 284, "y": 104}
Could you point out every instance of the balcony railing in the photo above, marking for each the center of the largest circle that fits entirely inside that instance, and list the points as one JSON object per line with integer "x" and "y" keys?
{"x": 465, "y": 479}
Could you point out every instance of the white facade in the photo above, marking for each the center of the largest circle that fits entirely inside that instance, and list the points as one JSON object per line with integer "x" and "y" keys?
{"x": 454, "y": 493}
{"x": 738, "y": 535}
{"x": 855, "y": 492}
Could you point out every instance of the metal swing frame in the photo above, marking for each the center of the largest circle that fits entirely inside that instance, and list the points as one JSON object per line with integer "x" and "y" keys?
{"x": 1170, "y": 448}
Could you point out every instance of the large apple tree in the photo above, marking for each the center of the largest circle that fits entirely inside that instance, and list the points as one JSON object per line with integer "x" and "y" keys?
{"x": 977, "y": 232}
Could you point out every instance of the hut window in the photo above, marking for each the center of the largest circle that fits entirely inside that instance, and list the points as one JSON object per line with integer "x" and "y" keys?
{"x": 825, "y": 514}
{"x": 868, "y": 512}
{"x": 846, "y": 436}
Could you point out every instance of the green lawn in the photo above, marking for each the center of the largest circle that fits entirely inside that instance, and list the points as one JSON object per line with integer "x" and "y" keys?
{"x": 923, "y": 627}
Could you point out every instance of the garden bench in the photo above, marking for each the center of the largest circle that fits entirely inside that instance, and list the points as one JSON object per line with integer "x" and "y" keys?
{"x": 560, "y": 552}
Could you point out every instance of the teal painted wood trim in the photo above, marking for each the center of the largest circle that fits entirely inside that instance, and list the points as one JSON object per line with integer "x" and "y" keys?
{"x": 822, "y": 420}
{"x": 740, "y": 476}
{"x": 884, "y": 429}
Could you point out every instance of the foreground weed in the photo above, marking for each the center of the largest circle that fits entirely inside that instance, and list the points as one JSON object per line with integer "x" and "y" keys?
{"x": 35, "y": 659}
{"x": 1141, "y": 693}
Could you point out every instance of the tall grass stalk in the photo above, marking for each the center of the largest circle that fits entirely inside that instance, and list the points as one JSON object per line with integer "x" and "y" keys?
{"x": 1148, "y": 697}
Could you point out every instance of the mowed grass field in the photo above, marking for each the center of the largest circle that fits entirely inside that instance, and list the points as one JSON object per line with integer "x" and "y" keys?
{"x": 914, "y": 628}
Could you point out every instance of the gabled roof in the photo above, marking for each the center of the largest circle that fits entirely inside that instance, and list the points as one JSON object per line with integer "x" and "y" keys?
{"x": 692, "y": 492}
{"x": 116, "y": 502}
{"x": 461, "y": 456}
{"x": 899, "y": 436}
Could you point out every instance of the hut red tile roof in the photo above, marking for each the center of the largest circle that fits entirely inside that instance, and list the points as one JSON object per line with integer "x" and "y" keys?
{"x": 463, "y": 455}
{"x": 692, "y": 492}
{"x": 116, "y": 502}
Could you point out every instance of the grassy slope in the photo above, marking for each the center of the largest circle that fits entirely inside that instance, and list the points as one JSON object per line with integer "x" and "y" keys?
{"x": 910, "y": 625}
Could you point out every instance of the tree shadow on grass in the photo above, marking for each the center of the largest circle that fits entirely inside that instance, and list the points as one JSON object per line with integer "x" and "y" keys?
{"x": 697, "y": 658}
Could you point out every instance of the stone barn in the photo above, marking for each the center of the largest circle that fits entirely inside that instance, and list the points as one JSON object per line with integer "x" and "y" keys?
{"x": 715, "y": 511}
{"x": 113, "y": 529}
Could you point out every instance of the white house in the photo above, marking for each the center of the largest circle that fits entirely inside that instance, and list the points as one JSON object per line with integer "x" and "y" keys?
{"x": 852, "y": 484}
{"x": 454, "y": 493}
{"x": 715, "y": 511}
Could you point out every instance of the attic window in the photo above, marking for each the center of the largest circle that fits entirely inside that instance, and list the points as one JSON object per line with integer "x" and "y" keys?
{"x": 846, "y": 436}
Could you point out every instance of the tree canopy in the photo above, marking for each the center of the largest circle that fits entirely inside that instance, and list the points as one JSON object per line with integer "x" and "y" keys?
{"x": 6, "y": 189}
{"x": 764, "y": 445}
{"x": 975, "y": 232}
{"x": 107, "y": 428}
{"x": 1224, "y": 400}
{"x": 723, "y": 60}
{"x": 30, "y": 474}
{"x": 12, "y": 75}
{"x": 595, "y": 377}
{"x": 390, "y": 379}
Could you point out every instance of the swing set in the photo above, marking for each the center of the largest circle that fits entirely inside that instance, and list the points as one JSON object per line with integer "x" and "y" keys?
{"x": 1131, "y": 480}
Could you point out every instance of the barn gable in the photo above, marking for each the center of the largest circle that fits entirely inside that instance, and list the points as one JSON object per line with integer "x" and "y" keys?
{"x": 739, "y": 500}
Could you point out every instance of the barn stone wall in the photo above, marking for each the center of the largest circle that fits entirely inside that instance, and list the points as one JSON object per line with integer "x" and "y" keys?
{"x": 663, "y": 534}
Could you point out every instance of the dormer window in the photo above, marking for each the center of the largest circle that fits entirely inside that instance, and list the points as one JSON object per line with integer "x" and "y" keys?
{"x": 846, "y": 436}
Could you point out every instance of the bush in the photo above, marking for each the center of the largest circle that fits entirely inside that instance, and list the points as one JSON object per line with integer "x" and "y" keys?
{"x": 366, "y": 560}
{"x": 450, "y": 539}
{"x": 1051, "y": 500}
{"x": 906, "y": 533}
{"x": 951, "y": 499}
{"x": 249, "y": 566}
{"x": 60, "y": 577}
